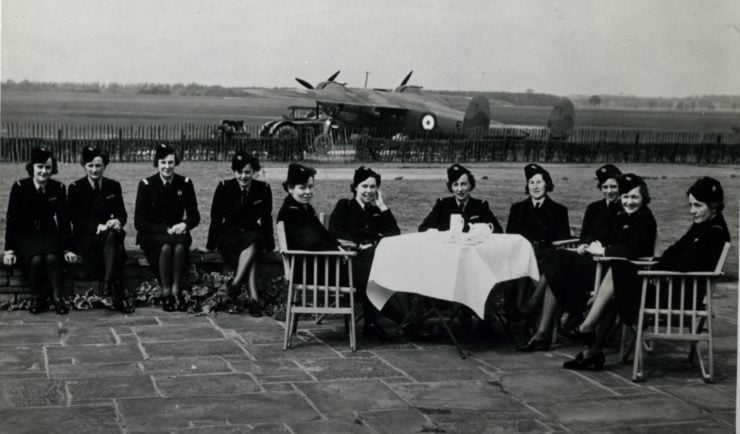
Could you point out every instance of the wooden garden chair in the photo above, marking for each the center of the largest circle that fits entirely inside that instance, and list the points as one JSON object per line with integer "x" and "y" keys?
{"x": 692, "y": 324}
{"x": 319, "y": 291}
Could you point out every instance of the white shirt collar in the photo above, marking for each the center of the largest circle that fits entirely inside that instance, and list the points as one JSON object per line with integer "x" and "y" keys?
{"x": 165, "y": 181}
{"x": 362, "y": 204}
{"x": 538, "y": 201}
{"x": 37, "y": 185}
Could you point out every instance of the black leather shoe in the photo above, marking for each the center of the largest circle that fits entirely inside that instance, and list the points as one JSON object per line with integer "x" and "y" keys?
{"x": 168, "y": 303}
{"x": 38, "y": 305}
{"x": 581, "y": 363}
{"x": 180, "y": 304}
{"x": 61, "y": 307}
{"x": 255, "y": 309}
{"x": 374, "y": 331}
{"x": 534, "y": 345}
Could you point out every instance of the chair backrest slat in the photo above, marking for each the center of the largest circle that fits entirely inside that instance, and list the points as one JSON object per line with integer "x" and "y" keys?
{"x": 722, "y": 258}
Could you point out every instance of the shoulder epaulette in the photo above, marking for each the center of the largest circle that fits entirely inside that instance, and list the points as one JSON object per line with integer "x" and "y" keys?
{"x": 187, "y": 180}
{"x": 145, "y": 181}
{"x": 19, "y": 183}
{"x": 223, "y": 182}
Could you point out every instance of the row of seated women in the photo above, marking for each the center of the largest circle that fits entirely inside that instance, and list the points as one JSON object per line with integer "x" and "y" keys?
{"x": 40, "y": 235}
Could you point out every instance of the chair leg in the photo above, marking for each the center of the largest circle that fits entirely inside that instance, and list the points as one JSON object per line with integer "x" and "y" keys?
{"x": 637, "y": 364}
{"x": 288, "y": 326}
{"x": 627, "y": 344}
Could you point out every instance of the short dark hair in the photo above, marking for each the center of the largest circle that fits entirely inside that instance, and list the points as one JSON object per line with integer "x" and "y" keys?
{"x": 471, "y": 179}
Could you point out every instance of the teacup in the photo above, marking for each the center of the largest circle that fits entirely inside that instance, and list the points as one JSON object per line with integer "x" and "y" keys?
{"x": 431, "y": 233}
{"x": 456, "y": 223}
{"x": 481, "y": 230}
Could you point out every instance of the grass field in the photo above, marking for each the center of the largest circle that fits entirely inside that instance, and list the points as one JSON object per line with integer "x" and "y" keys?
{"x": 123, "y": 109}
{"x": 411, "y": 197}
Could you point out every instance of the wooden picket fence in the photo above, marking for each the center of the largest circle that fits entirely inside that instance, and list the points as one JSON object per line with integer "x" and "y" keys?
{"x": 205, "y": 142}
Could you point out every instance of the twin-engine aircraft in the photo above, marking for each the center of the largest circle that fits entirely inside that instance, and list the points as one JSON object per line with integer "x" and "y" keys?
{"x": 406, "y": 111}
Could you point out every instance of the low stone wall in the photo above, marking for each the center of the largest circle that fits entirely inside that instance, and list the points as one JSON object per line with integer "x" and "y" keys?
{"x": 136, "y": 271}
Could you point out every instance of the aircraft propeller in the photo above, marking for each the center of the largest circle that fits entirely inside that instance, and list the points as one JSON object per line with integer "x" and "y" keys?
{"x": 406, "y": 80}
{"x": 309, "y": 86}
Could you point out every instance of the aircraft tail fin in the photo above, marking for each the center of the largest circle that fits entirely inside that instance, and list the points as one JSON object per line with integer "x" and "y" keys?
{"x": 562, "y": 119}
{"x": 477, "y": 116}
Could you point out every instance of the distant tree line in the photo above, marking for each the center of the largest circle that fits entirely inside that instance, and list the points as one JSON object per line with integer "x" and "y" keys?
{"x": 691, "y": 103}
{"x": 192, "y": 89}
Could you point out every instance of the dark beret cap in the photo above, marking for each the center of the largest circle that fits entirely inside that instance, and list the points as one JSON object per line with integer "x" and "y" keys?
{"x": 241, "y": 159}
{"x": 89, "y": 153}
{"x": 531, "y": 170}
{"x": 455, "y": 171}
{"x": 162, "y": 151}
{"x": 607, "y": 171}
{"x": 40, "y": 155}
{"x": 629, "y": 181}
{"x": 707, "y": 190}
{"x": 298, "y": 174}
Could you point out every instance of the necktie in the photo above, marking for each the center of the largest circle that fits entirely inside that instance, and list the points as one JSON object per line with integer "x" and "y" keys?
{"x": 97, "y": 186}
{"x": 461, "y": 207}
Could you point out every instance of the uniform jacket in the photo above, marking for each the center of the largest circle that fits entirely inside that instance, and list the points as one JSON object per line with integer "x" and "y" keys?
{"x": 540, "y": 226}
{"x": 232, "y": 210}
{"x": 632, "y": 235}
{"x": 475, "y": 211}
{"x": 31, "y": 213}
{"x": 699, "y": 249}
{"x": 157, "y": 209}
{"x": 350, "y": 221}
{"x": 598, "y": 220}
{"x": 303, "y": 230}
{"x": 88, "y": 209}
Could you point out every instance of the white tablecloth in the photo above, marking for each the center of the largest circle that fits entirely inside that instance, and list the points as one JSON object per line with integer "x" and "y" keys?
{"x": 435, "y": 267}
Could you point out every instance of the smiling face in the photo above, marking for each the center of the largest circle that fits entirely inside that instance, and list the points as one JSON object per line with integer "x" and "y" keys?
{"x": 367, "y": 190}
{"x": 302, "y": 193}
{"x": 632, "y": 200}
{"x": 95, "y": 168}
{"x": 166, "y": 166}
{"x": 244, "y": 176}
{"x": 700, "y": 211}
{"x": 537, "y": 187}
{"x": 610, "y": 189}
{"x": 42, "y": 172}
{"x": 461, "y": 188}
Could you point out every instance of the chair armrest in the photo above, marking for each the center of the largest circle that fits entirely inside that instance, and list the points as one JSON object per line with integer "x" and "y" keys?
{"x": 662, "y": 273}
{"x": 641, "y": 261}
{"x": 565, "y": 242}
{"x": 319, "y": 253}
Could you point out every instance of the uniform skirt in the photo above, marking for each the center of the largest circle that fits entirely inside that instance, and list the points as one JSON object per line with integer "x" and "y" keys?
{"x": 231, "y": 243}
{"x": 152, "y": 245}
{"x": 571, "y": 278}
{"x": 38, "y": 245}
{"x": 90, "y": 247}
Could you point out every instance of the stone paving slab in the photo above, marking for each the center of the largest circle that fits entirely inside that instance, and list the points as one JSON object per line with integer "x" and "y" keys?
{"x": 206, "y": 385}
{"x": 165, "y": 413}
{"x": 27, "y": 334}
{"x": 91, "y": 390}
{"x": 180, "y": 332}
{"x": 94, "y": 370}
{"x": 408, "y": 420}
{"x": 459, "y": 395}
{"x": 186, "y": 365}
{"x": 271, "y": 371}
{"x": 333, "y": 369}
{"x": 21, "y": 360}
{"x": 32, "y": 393}
{"x": 86, "y": 336}
{"x": 347, "y": 397}
{"x": 62, "y": 420}
{"x": 193, "y": 348}
{"x": 94, "y": 354}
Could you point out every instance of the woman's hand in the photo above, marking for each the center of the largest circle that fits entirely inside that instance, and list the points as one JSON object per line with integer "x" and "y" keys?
{"x": 379, "y": 201}
{"x": 114, "y": 224}
{"x": 101, "y": 228}
{"x": 70, "y": 257}
{"x": 178, "y": 229}
{"x": 9, "y": 258}
{"x": 581, "y": 249}
{"x": 595, "y": 248}
{"x": 347, "y": 244}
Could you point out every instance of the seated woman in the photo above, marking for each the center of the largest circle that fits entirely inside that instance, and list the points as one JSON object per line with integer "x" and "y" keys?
{"x": 460, "y": 182}
{"x": 570, "y": 275}
{"x": 241, "y": 223}
{"x": 98, "y": 216}
{"x": 166, "y": 211}
{"x": 37, "y": 230}
{"x": 540, "y": 220}
{"x": 697, "y": 250}
{"x": 359, "y": 223}
{"x": 304, "y": 231}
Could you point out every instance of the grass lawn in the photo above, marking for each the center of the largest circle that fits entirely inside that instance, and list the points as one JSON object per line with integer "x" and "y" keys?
{"x": 411, "y": 197}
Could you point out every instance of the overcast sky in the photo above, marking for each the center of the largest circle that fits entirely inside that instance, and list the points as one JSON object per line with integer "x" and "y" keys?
{"x": 565, "y": 47}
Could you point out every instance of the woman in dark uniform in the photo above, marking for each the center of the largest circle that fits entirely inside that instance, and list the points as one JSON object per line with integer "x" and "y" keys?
{"x": 38, "y": 233}
{"x": 166, "y": 212}
{"x": 241, "y": 223}
{"x": 359, "y": 223}
{"x": 98, "y": 217}
{"x": 460, "y": 182}
{"x": 698, "y": 249}
{"x": 600, "y": 214}
{"x": 541, "y": 221}
{"x": 304, "y": 231}
{"x": 570, "y": 275}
